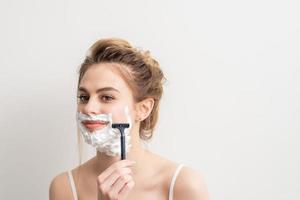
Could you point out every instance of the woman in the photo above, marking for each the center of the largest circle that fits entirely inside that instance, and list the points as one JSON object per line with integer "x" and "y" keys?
{"x": 119, "y": 83}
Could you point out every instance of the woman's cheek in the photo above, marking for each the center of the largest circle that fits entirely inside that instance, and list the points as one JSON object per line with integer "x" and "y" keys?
{"x": 121, "y": 115}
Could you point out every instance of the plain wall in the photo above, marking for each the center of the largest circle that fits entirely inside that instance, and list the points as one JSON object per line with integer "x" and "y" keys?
{"x": 230, "y": 108}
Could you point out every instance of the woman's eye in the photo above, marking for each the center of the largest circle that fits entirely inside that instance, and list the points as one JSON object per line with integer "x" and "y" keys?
{"x": 83, "y": 98}
{"x": 107, "y": 98}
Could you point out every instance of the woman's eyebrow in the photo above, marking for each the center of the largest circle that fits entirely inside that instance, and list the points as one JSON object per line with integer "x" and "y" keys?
{"x": 100, "y": 89}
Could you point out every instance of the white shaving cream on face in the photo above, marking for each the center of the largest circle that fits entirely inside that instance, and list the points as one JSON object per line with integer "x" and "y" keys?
{"x": 106, "y": 139}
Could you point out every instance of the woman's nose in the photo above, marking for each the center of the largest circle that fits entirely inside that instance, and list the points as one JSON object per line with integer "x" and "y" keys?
{"x": 92, "y": 107}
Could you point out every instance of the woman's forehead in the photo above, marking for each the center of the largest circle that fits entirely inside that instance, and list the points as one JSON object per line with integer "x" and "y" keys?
{"x": 103, "y": 76}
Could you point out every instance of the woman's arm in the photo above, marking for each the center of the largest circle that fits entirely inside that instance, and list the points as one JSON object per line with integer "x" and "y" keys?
{"x": 190, "y": 185}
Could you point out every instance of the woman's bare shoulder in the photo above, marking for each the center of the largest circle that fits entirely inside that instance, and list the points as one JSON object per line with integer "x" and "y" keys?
{"x": 165, "y": 168}
{"x": 60, "y": 187}
{"x": 190, "y": 184}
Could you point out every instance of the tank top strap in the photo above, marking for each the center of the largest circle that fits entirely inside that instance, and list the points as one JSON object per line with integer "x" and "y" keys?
{"x": 171, "y": 189}
{"x": 71, "y": 180}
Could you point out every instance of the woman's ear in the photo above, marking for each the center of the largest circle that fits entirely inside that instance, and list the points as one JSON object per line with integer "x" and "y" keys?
{"x": 144, "y": 108}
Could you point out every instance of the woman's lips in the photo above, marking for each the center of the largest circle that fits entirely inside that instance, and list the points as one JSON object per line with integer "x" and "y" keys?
{"x": 93, "y": 125}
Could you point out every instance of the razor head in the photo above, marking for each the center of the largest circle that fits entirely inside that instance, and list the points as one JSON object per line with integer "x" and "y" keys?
{"x": 120, "y": 125}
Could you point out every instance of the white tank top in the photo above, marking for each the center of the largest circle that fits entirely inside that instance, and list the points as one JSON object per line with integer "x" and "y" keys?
{"x": 75, "y": 197}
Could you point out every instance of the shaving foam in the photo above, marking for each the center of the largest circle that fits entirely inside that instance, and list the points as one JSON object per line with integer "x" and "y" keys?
{"x": 106, "y": 139}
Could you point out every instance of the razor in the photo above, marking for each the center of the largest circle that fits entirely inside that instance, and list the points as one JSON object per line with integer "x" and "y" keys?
{"x": 121, "y": 127}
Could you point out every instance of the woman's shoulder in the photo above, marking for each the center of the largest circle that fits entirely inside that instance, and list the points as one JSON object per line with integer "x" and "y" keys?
{"x": 60, "y": 187}
{"x": 189, "y": 183}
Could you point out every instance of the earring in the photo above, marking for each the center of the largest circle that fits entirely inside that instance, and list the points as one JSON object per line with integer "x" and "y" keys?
{"x": 140, "y": 118}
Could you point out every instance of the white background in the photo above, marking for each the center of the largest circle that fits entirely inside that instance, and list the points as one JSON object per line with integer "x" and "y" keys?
{"x": 230, "y": 108}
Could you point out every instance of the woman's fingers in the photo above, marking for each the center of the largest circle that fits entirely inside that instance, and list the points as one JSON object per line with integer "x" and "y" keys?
{"x": 113, "y": 167}
{"x": 119, "y": 184}
{"x": 116, "y": 178}
{"x": 126, "y": 189}
{"x": 117, "y": 174}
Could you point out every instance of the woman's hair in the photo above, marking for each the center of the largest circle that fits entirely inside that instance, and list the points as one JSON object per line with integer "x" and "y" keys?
{"x": 140, "y": 71}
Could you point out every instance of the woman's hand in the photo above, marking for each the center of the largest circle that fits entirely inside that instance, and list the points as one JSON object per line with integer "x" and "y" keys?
{"x": 116, "y": 182}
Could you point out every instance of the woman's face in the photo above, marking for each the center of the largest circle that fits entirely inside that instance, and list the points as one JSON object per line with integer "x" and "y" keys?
{"x": 103, "y": 91}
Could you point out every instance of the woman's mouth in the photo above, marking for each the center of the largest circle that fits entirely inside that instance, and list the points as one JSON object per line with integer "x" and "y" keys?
{"x": 93, "y": 125}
